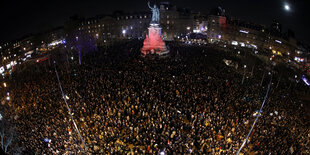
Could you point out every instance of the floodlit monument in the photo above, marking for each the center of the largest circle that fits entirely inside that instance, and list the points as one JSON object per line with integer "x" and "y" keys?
{"x": 153, "y": 43}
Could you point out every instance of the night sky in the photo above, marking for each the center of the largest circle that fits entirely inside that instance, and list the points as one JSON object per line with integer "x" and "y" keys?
{"x": 21, "y": 18}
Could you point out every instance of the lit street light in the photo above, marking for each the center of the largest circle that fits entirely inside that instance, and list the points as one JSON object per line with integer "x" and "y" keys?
{"x": 243, "y": 74}
{"x": 287, "y": 7}
{"x": 124, "y": 33}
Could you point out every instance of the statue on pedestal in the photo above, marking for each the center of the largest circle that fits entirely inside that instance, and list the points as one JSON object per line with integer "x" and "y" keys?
{"x": 155, "y": 15}
{"x": 153, "y": 42}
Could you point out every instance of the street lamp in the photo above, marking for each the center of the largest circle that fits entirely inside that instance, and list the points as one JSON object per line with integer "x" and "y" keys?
{"x": 4, "y": 84}
{"x": 243, "y": 74}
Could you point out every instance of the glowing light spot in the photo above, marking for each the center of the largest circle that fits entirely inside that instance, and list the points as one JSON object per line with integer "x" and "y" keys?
{"x": 287, "y": 7}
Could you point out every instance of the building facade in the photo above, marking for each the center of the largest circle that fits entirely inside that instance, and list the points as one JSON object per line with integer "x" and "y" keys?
{"x": 106, "y": 28}
{"x": 229, "y": 31}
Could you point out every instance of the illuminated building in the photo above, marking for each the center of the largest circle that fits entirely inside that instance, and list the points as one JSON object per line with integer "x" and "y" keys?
{"x": 230, "y": 31}
{"x": 108, "y": 28}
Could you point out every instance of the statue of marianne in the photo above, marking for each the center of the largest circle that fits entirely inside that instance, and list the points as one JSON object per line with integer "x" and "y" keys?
{"x": 155, "y": 15}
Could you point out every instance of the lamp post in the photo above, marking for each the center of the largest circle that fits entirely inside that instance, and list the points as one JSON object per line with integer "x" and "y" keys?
{"x": 243, "y": 73}
{"x": 252, "y": 72}
{"x": 80, "y": 54}
{"x": 261, "y": 83}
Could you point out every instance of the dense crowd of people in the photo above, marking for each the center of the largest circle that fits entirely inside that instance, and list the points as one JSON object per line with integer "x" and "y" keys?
{"x": 189, "y": 102}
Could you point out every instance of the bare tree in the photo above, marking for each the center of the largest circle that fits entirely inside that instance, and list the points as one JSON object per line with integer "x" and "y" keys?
{"x": 6, "y": 135}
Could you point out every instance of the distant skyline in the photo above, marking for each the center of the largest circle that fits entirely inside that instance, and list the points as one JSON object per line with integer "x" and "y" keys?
{"x": 22, "y": 18}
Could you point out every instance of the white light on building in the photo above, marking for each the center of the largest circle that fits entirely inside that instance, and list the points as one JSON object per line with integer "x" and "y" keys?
{"x": 1, "y": 69}
{"x": 196, "y": 31}
{"x": 242, "y": 44}
{"x": 234, "y": 43}
{"x": 278, "y": 41}
{"x": 243, "y": 31}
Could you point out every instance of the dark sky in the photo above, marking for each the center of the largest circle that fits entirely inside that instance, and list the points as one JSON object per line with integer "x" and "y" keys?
{"x": 23, "y": 17}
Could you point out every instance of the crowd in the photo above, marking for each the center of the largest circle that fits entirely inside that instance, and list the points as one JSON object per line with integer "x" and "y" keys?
{"x": 190, "y": 102}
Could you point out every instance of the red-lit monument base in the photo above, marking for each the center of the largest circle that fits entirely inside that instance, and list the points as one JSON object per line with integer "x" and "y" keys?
{"x": 153, "y": 43}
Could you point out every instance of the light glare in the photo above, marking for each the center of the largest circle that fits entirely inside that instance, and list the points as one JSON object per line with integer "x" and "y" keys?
{"x": 287, "y": 7}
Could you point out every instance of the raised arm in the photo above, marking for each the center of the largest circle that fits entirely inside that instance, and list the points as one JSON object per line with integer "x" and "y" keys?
{"x": 148, "y": 4}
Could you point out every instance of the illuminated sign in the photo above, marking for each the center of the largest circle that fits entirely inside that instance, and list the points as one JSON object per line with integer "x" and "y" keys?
{"x": 254, "y": 46}
{"x": 196, "y": 31}
{"x": 243, "y": 31}
{"x": 299, "y": 59}
{"x": 234, "y": 43}
{"x": 278, "y": 41}
{"x": 305, "y": 80}
{"x": 57, "y": 42}
{"x": 1, "y": 70}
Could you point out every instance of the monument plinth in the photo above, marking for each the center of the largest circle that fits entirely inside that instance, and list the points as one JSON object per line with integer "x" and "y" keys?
{"x": 153, "y": 43}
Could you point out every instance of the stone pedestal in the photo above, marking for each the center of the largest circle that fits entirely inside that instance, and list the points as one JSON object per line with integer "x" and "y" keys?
{"x": 153, "y": 43}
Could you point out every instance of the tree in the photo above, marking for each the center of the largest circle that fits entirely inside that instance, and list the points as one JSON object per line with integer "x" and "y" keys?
{"x": 6, "y": 135}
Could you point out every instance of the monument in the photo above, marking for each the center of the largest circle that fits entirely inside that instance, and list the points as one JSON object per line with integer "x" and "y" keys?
{"x": 153, "y": 43}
